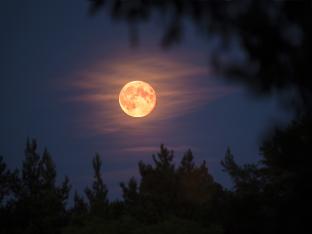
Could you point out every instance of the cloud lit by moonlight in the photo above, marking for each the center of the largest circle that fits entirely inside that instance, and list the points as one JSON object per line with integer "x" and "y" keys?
{"x": 182, "y": 87}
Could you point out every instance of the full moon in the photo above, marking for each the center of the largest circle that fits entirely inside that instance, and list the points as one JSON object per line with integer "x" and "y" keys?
{"x": 137, "y": 99}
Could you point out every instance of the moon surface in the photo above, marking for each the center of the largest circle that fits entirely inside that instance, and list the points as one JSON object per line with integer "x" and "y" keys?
{"x": 137, "y": 99}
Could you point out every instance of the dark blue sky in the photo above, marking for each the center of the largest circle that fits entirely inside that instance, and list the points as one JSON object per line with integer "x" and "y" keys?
{"x": 61, "y": 70}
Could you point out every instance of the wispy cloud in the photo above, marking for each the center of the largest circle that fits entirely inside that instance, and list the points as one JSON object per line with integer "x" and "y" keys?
{"x": 154, "y": 149}
{"x": 181, "y": 88}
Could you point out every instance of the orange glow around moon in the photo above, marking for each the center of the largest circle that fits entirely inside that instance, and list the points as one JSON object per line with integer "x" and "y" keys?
{"x": 137, "y": 99}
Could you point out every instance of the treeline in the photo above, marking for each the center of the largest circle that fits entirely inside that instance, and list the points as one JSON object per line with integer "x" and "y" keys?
{"x": 271, "y": 196}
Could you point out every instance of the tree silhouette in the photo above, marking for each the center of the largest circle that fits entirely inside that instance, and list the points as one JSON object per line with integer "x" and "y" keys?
{"x": 286, "y": 167}
{"x": 246, "y": 209}
{"x": 158, "y": 186}
{"x": 167, "y": 195}
{"x": 130, "y": 191}
{"x": 199, "y": 196}
{"x": 196, "y": 184}
{"x": 97, "y": 195}
{"x": 39, "y": 204}
{"x": 267, "y": 197}
{"x": 131, "y": 197}
{"x": 7, "y": 180}
{"x": 247, "y": 179}
{"x": 79, "y": 210}
{"x": 277, "y": 188}
{"x": 6, "y": 177}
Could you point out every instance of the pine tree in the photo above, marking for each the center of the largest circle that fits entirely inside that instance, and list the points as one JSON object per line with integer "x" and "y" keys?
{"x": 97, "y": 195}
{"x": 39, "y": 205}
{"x": 130, "y": 192}
{"x": 79, "y": 210}
{"x": 158, "y": 185}
{"x": 196, "y": 185}
{"x": 30, "y": 181}
{"x": 5, "y": 181}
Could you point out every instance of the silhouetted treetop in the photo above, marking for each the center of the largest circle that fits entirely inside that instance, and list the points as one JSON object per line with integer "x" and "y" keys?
{"x": 169, "y": 198}
{"x": 276, "y": 188}
{"x": 166, "y": 189}
{"x": 163, "y": 160}
{"x": 187, "y": 163}
{"x": 130, "y": 191}
{"x": 247, "y": 178}
{"x": 6, "y": 181}
{"x": 97, "y": 195}
{"x": 36, "y": 204}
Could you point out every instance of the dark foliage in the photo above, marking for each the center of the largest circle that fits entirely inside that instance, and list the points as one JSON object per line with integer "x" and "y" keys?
{"x": 273, "y": 36}
{"x": 35, "y": 203}
{"x": 271, "y": 196}
{"x": 274, "y": 194}
{"x": 97, "y": 196}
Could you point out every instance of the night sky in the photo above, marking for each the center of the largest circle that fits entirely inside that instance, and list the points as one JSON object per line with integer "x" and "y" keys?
{"x": 61, "y": 72}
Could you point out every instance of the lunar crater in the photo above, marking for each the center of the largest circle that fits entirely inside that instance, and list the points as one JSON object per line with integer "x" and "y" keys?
{"x": 137, "y": 99}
